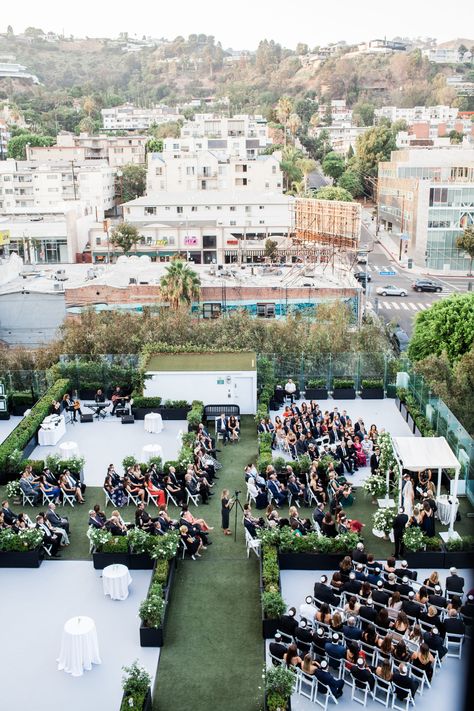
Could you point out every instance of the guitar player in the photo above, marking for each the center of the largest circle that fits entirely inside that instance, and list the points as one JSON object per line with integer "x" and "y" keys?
{"x": 118, "y": 398}
{"x": 73, "y": 406}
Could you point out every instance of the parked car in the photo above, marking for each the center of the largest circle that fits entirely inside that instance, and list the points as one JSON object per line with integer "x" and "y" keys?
{"x": 60, "y": 275}
{"x": 362, "y": 258}
{"x": 399, "y": 339}
{"x": 362, "y": 276}
{"x": 427, "y": 285}
{"x": 391, "y": 290}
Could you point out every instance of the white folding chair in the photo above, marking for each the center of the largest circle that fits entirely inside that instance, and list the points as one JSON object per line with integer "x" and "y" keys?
{"x": 322, "y": 695}
{"x": 305, "y": 685}
{"x": 419, "y": 675}
{"x": 290, "y": 499}
{"x": 68, "y": 498}
{"x": 153, "y": 498}
{"x": 456, "y": 641}
{"x": 133, "y": 497}
{"x": 382, "y": 691}
{"x": 360, "y": 692}
{"x": 47, "y": 549}
{"x": 28, "y": 498}
{"x": 336, "y": 666}
{"x": 186, "y": 550}
{"x": 48, "y": 498}
{"x": 170, "y": 497}
{"x": 286, "y": 638}
{"x": 251, "y": 497}
{"x": 253, "y": 544}
{"x": 402, "y": 704}
{"x": 108, "y": 498}
{"x": 276, "y": 661}
{"x": 192, "y": 497}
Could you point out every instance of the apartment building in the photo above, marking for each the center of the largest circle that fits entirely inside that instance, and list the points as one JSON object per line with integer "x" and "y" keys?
{"x": 132, "y": 118}
{"x": 342, "y": 136}
{"x": 116, "y": 150}
{"x": 223, "y": 148}
{"x": 444, "y": 55}
{"x": 207, "y": 227}
{"x": 28, "y": 184}
{"x": 16, "y": 71}
{"x": 417, "y": 114}
{"x": 4, "y": 138}
{"x": 426, "y": 197}
{"x": 217, "y": 126}
{"x": 203, "y": 170}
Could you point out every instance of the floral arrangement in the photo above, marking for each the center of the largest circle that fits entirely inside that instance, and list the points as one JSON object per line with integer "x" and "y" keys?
{"x": 382, "y": 520}
{"x": 375, "y": 486}
{"x": 414, "y": 539}
{"x": 26, "y": 540}
{"x": 387, "y": 457}
{"x": 137, "y": 541}
{"x": 12, "y": 489}
{"x": 135, "y": 684}
{"x": 152, "y": 609}
{"x": 163, "y": 547}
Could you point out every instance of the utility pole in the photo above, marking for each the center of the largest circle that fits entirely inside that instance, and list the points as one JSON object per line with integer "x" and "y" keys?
{"x": 402, "y": 225}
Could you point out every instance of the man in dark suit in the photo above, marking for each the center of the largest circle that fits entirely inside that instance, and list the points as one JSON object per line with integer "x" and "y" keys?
{"x": 344, "y": 456}
{"x": 350, "y": 630}
{"x": 288, "y": 623}
{"x": 319, "y": 641}
{"x": 323, "y": 593}
{"x": 435, "y": 642}
{"x": 380, "y": 596}
{"x": 277, "y": 648}
{"x": 404, "y": 570}
{"x": 335, "y": 647}
{"x": 437, "y": 599}
{"x": 326, "y": 679}
{"x": 222, "y": 428}
{"x": 399, "y": 524}
{"x": 375, "y": 461}
{"x": 453, "y": 624}
{"x": 318, "y": 514}
{"x": 352, "y": 585}
{"x": 411, "y": 607}
{"x": 49, "y": 537}
{"x": 403, "y": 682}
{"x": 55, "y": 520}
{"x": 359, "y": 555}
{"x": 276, "y": 489}
{"x": 362, "y": 674}
{"x": 374, "y": 576}
{"x": 367, "y": 612}
{"x": 404, "y": 586}
{"x": 303, "y": 637}
{"x": 454, "y": 582}
{"x": 8, "y": 516}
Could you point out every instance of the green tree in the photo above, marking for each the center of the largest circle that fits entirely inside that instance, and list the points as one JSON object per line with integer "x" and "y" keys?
{"x": 87, "y": 125}
{"x": 125, "y": 236}
{"x": 373, "y": 146}
{"x": 329, "y": 192}
{"x": 180, "y": 285}
{"x": 448, "y": 326}
{"x": 455, "y": 137}
{"x": 333, "y": 165}
{"x": 271, "y": 249}
{"x": 351, "y": 182}
{"x": 283, "y": 110}
{"x": 17, "y": 145}
{"x": 363, "y": 113}
{"x": 399, "y": 125}
{"x": 132, "y": 182}
{"x": 294, "y": 124}
{"x": 154, "y": 145}
{"x": 290, "y": 165}
{"x": 305, "y": 108}
{"x": 466, "y": 243}
{"x": 307, "y": 166}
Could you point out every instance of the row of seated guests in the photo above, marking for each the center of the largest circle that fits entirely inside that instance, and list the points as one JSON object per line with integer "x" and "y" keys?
{"x": 300, "y": 430}
{"x": 55, "y": 528}
{"x": 325, "y": 485}
{"x": 51, "y": 485}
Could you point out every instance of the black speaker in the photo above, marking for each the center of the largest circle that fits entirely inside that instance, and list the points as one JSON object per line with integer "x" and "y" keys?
{"x": 87, "y": 418}
{"x": 128, "y": 420}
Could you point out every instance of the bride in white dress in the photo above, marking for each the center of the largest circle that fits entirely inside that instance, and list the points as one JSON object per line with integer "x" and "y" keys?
{"x": 408, "y": 495}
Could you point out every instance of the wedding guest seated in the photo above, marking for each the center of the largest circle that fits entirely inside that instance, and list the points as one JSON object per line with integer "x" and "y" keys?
{"x": 423, "y": 659}
{"x": 8, "y": 516}
{"x": 308, "y": 666}
{"x": 97, "y": 518}
{"x": 69, "y": 486}
{"x": 157, "y": 493}
{"x": 56, "y": 520}
{"x": 30, "y": 486}
{"x": 49, "y": 537}
{"x": 187, "y": 516}
{"x": 288, "y": 623}
{"x": 144, "y": 521}
{"x": 22, "y": 522}
{"x": 291, "y": 657}
{"x": 403, "y": 682}
{"x": 115, "y": 489}
{"x": 193, "y": 544}
{"x": 174, "y": 489}
{"x": 362, "y": 674}
{"x": 277, "y": 648}
{"x": 115, "y": 525}
{"x": 324, "y": 676}
{"x": 401, "y": 653}
{"x": 234, "y": 428}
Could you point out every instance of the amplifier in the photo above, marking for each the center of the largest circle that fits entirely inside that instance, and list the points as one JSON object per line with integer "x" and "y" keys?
{"x": 87, "y": 418}
{"x": 128, "y": 420}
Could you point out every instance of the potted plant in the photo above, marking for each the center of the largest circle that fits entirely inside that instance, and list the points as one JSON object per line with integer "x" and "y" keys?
{"x": 138, "y": 544}
{"x": 174, "y": 409}
{"x": 459, "y": 552}
{"x": 279, "y": 686}
{"x": 316, "y": 389}
{"x": 382, "y": 522}
{"x": 13, "y": 492}
{"x": 419, "y": 549}
{"x": 344, "y": 389}
{"x": 273, "y": 607}
{"x": 144, "y": 405}
{"x": 20, "y": 550}
{"x": 195, "y": 415}
{"x": 108, "y": 549}
{"x": 376, "y": 486}
{"x": 136, "y": 688}
{"x": 372, "y": 390}
{"x": 151, "y": 613}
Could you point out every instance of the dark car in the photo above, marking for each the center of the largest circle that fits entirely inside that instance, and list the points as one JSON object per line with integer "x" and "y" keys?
{"x": 426, "y": 285}
{"x": 399, "y": 339}
{"x": 362, "y": 276}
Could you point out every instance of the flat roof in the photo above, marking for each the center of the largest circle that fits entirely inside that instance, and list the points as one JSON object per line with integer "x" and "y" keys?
{"x": 203, "y": 362}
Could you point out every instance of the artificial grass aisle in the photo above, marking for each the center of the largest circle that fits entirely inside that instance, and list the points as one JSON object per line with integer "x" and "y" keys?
{"x": 213, "y": 653}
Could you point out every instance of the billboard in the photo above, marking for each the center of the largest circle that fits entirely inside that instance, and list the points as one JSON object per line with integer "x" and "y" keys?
{"x": 4, "y": 237}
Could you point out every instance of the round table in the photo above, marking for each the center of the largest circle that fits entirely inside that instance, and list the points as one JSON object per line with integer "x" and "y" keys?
{"x": 79, "y": 646}
{"x": 115, "y": 580}
{"x": 68, "y": 450}
{"x": 153, "y": 422}
{"x": 151, "y": 450}
{"x": 444, "y": 504}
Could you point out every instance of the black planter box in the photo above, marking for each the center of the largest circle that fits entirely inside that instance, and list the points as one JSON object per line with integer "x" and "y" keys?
{"x": 19, "y": 410}
{"x": 140, "y": 561}
{"x": 425, "y": 559}
{"x": 167, "y": 587}
{"x": 459, "y": 559}
{"x": 167, "y": 413}
{"x": 102, "y": 560}
{"x": 309, "y": 561}
{"x": 371, "y": 393}
{"x": 403, "y": 410}
{"x": 147, "y": 703}
{"x": 20, "y": 559}
{"x": 316, "y": 393}
{"x": 410, "y": 422}
{"x": 269, "y": 627}
{"x": 151, "y": 636}
{"x": 32, "y": 444}
{"x": 398, "y": 403}
{"x": 344, "y": 394}
{"x": 4, "y": 415}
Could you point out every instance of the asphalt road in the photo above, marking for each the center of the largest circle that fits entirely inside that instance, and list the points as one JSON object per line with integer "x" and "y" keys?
{"x": 397, "y": 309}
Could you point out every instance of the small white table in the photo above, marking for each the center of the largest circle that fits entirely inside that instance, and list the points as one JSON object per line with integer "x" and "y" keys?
{"x": 51, "y": 431}
{"x": 68, "y": 450}
{"x": 79, "y": 646}
{"x": 444, "y": 504}
{"x": 151, "y": 450}
{"x": 115, "y": 580}
{"x": 153, "y": 422}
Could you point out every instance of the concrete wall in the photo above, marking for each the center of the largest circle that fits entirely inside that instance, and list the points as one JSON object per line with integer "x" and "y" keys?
{"x": 30, "y": 318}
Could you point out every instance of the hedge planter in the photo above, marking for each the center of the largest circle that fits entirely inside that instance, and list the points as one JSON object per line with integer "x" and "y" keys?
{"x": 316, "y": 394}
{"x": 371, "y": 393}
{"x": 151, "y": 636}
{"x": 167, "y": 413}
{"x": 410, "y": 422}
{"x": 20, "y": 559}
{"x": 344, "y": 393}
{"x": 269, "y": 627}
{"x": 403, "y": 410}
{"x": 425, "y": 559}
{"x": 19, "y": 410}
{"x": 147, "y": 703}
{"x": 140, "y": 561}
{"x": 288, "y": 704}
{"x": 168, "y": 586}
{"x": 458, "y": 559}
{"x": 102, "y": 560}
{"x": 309, "y": 561}
{"x": 398, "y": 403}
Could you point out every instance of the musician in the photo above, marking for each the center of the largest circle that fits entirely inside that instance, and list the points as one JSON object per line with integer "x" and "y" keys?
{"x": 73, "y": 406}
{"x": 118, "y": 398}
{"x": 99, "y": 396}
{"x": 55, "y": 408}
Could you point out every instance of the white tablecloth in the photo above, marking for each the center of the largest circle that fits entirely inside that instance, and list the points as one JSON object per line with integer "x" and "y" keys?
{"x": 49, "y": 433}
{"x": 153, "y": 422}
{"x": 151, "y": 450}
{"x": 116, "y": 579}
{"x": 68, "y": 450}
{"x": 444, "y": 504}
{"x": 79, "y": 646}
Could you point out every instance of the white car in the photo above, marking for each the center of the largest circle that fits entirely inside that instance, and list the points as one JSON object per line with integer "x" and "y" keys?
{"x": 391, "y": 290}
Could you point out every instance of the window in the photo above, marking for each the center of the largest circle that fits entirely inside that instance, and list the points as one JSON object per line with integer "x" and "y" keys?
{"x": 261, "y": 222}
{"x": 193, "y": 208}
{"x": 179, "y": 210}
{"x": 266, "y": 310}
{"x": 261, "y": 207}
{"x": 98, "y": 241}
{"x": 267, "y": 184}
{"x": 211, "y": 310}
{"x": 232, "y": 208}
{"x": 150, "y": 211}
{"x": 274, "y": 169}
{"x": 190, "y": 170}
{"x": 248, "y": 208}
{"x": 158, "y": 171}
{"x": 167, "y": 207}
{"x": 52, "y": 176}
{"x": 219, "y": 207}
{"x": 209, "y": 242}
{"x": 240, "y": 182}
{"x": 233, "y": 223}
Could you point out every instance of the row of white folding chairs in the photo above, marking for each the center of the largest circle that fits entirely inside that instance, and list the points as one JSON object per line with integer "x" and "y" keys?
{"x": 47, "y": 499}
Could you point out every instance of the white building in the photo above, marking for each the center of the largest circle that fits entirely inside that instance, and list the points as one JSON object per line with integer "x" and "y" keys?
{"x": 132, "y": 118}
{"x": 342, "y": 136}
{"x": 204, "y": 170}
{"x": 443, "y": 55}
{"x": 16, "y": 71}
{"x": 216, "y": 126}
{"x": 417, "y": 113}
{"x": 4, "y": 138}
{"x": 26, "y": 185}
{"x": 116, "y": 150}
{"x": 223, "y": 148}
{"x": 206, "y": 226}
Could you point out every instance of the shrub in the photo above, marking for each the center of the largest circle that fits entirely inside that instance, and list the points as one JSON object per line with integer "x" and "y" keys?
{"x": 372, "y": 383}
{"x": 263, "y": 461}
{"x": 137, "y": 540}
{"x": 464, "y": 543}
{"x": 163, "y": 547}
{"x": 23, "y": 541}
{"x": 22, "y": 398}
{"x": 340, "y": 383}
{"x": 128, "y": 462}
{"x": 152, "y": 609}
{"x": 376, "y": 486}
{"x": 265, "y": 442}
{"x": 270, "y": 568}
{"x": 195, "y": 415}
{"x": 279, "y": 684}
{"x": 135, "y": 685}
{"x": 171, "y": 404}
{"x": 319, "y": 383}
{"x": 382, "y": 520}
{"x": 273, "y": 604}
{"x": 161, "y": 571}
{"x": 116, "y": 544}
{"x": 414, "y": 539}
{"x": 141, "y": 401}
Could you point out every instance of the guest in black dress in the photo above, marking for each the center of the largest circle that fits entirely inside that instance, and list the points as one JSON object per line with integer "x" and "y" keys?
{"x": 226, "y": 503}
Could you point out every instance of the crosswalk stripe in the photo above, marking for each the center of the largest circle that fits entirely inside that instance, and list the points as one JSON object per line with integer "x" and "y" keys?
{"x": 395, "y": 306}
{"x": 387, "y": 305}
{"x": 404, "y": 306}
{"x": 414, "y": 307}
{"x": 421, "y": 306}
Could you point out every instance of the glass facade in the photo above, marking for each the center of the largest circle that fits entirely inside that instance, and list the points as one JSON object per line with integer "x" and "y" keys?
{"x": 451, "y": 210}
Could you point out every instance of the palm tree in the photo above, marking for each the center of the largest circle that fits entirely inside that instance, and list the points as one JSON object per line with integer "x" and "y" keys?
{"x": 294, "y": 123}
{"x": 283, "y": 111}
{"x": 307, "y": 166}
{"x": 289, "y": 165}
{"x": 180, "y": 285}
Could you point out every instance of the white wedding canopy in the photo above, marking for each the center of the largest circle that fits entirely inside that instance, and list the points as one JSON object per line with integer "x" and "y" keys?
{"x": 419, "y": 453}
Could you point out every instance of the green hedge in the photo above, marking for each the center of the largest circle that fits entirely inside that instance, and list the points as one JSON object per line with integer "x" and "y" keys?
{"x": 140, "y": 401}
{"x": 23, "y": 397}
{"x": 342, "y": 383}
{"x": 372, "y": 383}
{"x": 21, "y": 435}
{"x": 195, "y": 415}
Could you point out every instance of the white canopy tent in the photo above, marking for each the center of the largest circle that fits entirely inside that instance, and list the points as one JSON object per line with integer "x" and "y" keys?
{"x": 419, "y": 453}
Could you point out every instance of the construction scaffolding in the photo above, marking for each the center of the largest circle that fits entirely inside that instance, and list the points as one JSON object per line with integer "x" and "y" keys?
{"x": 330, "y": 223}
